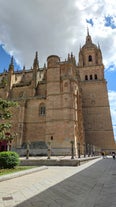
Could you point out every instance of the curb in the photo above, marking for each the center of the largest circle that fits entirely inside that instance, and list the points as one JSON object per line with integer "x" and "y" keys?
{"x": 56, "y": 162}
{"x": 21, "y": 173}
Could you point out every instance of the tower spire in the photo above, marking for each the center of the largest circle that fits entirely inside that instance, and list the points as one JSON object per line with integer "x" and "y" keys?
{"x": 11, "y": 66}
{"x": 87, "y": 31}
{"x": 88, "y": 37}
{"x": 36, "y": 62}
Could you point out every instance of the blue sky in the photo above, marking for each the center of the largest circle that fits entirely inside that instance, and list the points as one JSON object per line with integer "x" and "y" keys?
{"x": 27, "y": 26}
{"x": 5, "y": 59}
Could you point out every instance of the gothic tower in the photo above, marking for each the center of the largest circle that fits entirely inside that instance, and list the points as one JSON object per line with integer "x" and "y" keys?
{"x": 95, "y": 104}
{"x": 64, "y": 121}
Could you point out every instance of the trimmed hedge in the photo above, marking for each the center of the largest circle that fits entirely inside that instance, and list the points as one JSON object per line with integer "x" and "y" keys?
{"x": 9, "y": 160}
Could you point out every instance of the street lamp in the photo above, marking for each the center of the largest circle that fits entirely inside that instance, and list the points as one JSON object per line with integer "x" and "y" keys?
{"x": 72, "y": 149}
{"x": 84, "y": 150}
{"x": 88, "y": 149}
{"x": 27, "y": 150}
{"x": 78, "y": 144}
{"x": 91, "y": 150}
{"x": 49, "y": 150}
{"x": 50, "y": 146}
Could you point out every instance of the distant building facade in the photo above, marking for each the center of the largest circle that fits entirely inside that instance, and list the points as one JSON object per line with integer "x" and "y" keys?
{"x": 60, "y": 104}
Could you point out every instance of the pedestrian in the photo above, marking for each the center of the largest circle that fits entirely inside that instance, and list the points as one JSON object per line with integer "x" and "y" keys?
{"x": 103, "y": 154}
{"x": 113, "y": 155}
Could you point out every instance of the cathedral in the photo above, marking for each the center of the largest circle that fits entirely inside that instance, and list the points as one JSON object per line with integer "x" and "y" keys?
{"x": 61, "y": 106}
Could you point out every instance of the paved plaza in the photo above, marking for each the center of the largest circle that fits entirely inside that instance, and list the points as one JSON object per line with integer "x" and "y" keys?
{"x": 92, "y": 184}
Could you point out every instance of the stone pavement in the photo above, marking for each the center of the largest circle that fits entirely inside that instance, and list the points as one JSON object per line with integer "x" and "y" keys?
{"x": 92, "y": 184}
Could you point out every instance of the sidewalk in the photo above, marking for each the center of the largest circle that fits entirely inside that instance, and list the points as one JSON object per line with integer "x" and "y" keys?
{"x": 90, "y": 185}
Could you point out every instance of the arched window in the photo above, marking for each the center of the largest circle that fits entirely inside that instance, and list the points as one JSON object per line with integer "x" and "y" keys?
{"x": 42, "y": 109}
{"x": 86, "y": 77}
{"x": 95, "y": 76}
{"x": 90, "y": 58}
{"x": 91, "y": 77}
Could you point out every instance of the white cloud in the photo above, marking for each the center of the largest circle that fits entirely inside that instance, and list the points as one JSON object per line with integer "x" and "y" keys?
{"x": 47, "y": 26}
{"x": 55, "y": 27}
{"x": 112, "y": 99}
{"x": 97, "y": 10}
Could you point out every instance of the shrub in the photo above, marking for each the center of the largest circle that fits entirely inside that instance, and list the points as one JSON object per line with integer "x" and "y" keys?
{"x": 9, "y": 159}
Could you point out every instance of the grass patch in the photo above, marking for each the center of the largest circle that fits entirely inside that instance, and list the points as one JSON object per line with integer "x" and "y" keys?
{"x": 16, "y": 169}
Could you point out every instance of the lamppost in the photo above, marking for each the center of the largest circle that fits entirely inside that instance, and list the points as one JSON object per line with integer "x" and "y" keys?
{"x": 72, "y": 149}
{"x": 27, "y": 150}
{"x": 50, "y": 146}
{"x": 84, "y": 150}
{"x": 78, "y": 147}
{"x": 49, "y": 150}
{"x": 91, "y": 150}
{"x": 88, "y": 149}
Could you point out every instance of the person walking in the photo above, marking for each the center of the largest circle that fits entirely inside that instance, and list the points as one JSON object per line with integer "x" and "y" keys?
{"x": 113, "y": 155}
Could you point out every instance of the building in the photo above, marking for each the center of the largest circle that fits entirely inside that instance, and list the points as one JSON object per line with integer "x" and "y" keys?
{"x": 61, "y": 104}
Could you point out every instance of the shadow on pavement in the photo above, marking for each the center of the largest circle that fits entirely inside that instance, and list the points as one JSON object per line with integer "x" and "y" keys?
{"x": 87, "y": 188}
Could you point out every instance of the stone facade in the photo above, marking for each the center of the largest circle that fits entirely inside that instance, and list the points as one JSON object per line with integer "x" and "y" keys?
{"x": 95, "y": 103}
{"x": 60, "y": 104}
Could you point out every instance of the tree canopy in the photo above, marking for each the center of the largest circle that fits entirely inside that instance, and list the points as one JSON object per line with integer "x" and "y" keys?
{"x": 5, "y": 117}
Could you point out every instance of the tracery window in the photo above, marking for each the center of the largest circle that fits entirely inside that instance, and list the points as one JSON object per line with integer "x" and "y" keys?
{"x": 86, "y": 77}
{"x": 42, "y": 109}
{"x": 91, "y": 77}
{"x": 90, "y": 58}
{"x": 95, "y": 76}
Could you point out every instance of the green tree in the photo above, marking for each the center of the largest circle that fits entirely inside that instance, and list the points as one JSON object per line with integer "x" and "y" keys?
{"x": 5, "y": 119}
